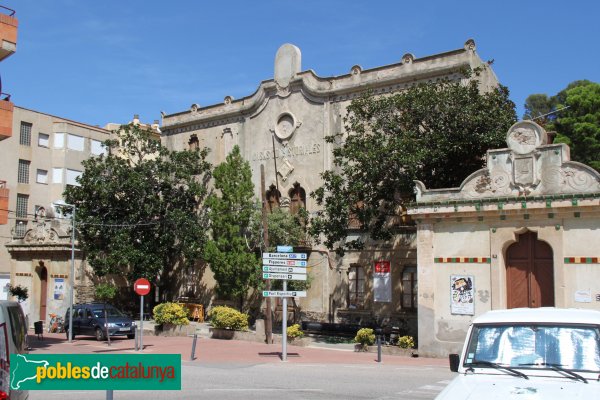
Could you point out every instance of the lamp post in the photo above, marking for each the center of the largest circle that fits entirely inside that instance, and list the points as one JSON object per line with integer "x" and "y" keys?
{"x": 72, "y": 274}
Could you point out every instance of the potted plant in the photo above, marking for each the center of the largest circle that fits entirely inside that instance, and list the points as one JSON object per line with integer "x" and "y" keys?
{"x": 364, "y": 338}
{"x": 407, "y": 343}
{"x": 171, "y": 318}
{"x": 18, "y": 291}
{"x": 295, "y": 333}
{"x": 225, "y": 321}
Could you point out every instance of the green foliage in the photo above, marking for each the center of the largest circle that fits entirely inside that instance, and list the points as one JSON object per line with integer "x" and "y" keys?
{"x": 105, "y": 292}
{"x": 579, "y": 124}
{"x": 435, "y": 132}
{"x": 406, "y": 342}
{"x": 539, "y": 107}
{"x": 18, "y": 291}
{"x": 232, "y": 212}
{"x": 139, "y": 208}
{"x": 228, "y": 318}
{"x": 170, "y": 313}
{"x": 294, "y": 332}
{"x": 365, "y": 336}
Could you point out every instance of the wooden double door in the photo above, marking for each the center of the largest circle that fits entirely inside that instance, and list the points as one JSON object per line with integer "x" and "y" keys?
{"x": 529, "y": 273}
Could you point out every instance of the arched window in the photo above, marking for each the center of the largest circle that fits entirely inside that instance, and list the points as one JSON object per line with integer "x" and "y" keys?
{"x": 273, "y": 198}
{"x": 194, "y": 143}
{"x": 297, "y": 198}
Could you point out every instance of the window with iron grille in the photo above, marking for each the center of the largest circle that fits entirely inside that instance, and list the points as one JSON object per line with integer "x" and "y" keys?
{"x": 22, "y": 204}
{"x": 25, "y": 137}
{"x": 20, "y": 228}
{"x": 23, "y": 176}
{"x": 409, "y": 288}
{"x": 356, "y": 287}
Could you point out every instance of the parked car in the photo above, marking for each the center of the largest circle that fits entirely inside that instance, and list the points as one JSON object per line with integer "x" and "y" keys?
{"x": 13, "y": 340}
{"x": 527, "y": 353}
{"x": 88, "y": 319}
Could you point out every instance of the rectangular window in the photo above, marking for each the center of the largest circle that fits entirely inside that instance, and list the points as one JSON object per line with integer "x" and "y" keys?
{"x": 356, "y": 287}
{"x": 41, "y": 176}
{"x": 20, "y": 228}
{"x": 43, "y": 140}
{"x": 23, "y": 173}
{"x": 97, "y": 148}
{"x": 409, "y": 288}
{"x": 57, "y": 175}
{"x": 22, "y": 204}
{"x": 59, "y": 141}
{"x": 25, "y": 137}
{"x": 75, "y": 142}
{"x": 72, "y": 175}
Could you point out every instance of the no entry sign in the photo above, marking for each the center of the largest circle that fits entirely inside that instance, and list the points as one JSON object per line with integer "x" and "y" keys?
{"x": 142, "y": 286}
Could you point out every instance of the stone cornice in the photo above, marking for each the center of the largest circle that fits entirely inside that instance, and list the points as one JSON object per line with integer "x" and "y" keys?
{"x": 316, "y": 89}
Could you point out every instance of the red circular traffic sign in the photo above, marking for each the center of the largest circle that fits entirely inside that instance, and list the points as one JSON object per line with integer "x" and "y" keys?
{"x": 142, "y": 286}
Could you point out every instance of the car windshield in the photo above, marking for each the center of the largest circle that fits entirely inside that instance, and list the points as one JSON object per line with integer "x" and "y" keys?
{"x": 110, "y": 311}
{"x": 535, "y": 346}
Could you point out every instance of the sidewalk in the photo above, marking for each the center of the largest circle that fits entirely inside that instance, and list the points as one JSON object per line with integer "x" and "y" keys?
{"x": 221, "y": 351}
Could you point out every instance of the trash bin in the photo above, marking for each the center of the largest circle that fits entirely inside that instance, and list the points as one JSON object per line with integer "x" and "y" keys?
{"x": 38, "y": 328}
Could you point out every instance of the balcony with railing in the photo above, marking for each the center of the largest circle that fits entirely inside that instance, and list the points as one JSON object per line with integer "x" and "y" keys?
{"x": 3, "y": 203}
{"x": 8, "y": 32}
{"x": 6, "y": 115}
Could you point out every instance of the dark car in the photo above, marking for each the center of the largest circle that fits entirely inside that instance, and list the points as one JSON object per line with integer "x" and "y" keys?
{"x": 88, "y": 319}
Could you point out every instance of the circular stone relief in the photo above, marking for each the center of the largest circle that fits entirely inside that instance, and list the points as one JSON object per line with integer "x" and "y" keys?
{"x": 525, "y": 136}
{"x": 286, "y": 125}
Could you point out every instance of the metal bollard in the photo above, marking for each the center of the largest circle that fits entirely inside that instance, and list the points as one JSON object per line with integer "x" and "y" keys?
{"x": 378, "y": 348}
{"x": 194, "y": 347}
{"x": 135, "y": 338}
{"x": 109, "y": 395}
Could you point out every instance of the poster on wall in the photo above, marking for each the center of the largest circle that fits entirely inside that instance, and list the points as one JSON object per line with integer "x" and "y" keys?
{"x": 382, "y": 282}
{"x": 462, "y": 294}
{"x": 59, "y": 288}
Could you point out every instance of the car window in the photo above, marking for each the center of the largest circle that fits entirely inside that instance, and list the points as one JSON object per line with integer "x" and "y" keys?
{"x": 572, "y": 347}
{"x": 80, "y": 313}
{"x": 110, "y": 312}
{"x": 88, "y": 313}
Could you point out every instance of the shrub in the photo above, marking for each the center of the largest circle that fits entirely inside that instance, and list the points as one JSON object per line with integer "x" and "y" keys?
{"x": 20, "y": 292}
{"x": 365, "y": 336}
{"x": 406, "y": 342}
{"x": 170, "y": 313}
{"x": 294, "y": 332}
{"x": 228, "y": 318}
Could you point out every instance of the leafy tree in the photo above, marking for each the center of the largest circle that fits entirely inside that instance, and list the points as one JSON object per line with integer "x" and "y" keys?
{"x": 139, "y": 208}
{"x": 579, "y": 124}
{"x": 539, "y": 107}
{"x": 18, "y": 291}
{"x": 232, "y": 211}
{"x": 436, "y": 132}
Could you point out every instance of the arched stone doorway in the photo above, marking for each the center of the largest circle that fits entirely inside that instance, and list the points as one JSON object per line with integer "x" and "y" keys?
{"x": 529, "y": 273}
{"x": 43, "y": 290}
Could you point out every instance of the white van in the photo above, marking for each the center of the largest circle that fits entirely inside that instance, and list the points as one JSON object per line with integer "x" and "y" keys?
{"x": 529, "y": 353}
{"x": 13, "y": 340}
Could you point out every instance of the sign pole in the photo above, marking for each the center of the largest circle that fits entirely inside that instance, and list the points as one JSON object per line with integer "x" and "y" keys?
{"x": 141, "y": 323}
{"x": 284, "y": 326}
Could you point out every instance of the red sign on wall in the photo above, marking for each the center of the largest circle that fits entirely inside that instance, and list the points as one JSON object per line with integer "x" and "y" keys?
{"x": 382, "y": 267}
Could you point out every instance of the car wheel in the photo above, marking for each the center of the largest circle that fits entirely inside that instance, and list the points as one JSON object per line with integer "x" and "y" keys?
{"x": 99, "y": 334}
{"x": 131, "y": 336}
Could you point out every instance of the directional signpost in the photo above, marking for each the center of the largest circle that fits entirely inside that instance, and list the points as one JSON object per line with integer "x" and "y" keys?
{"x": 287, "y": 266}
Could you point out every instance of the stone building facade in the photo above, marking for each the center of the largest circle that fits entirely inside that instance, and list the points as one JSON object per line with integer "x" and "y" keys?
{"x": 285, "y": 122}
{"x": 521, "y": 232}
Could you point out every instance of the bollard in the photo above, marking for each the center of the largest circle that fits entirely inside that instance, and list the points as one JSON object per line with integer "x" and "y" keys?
{"x": 135, "y": 338}
{"x": 194, "y": 347}
{"x": 109, "y": 395}
{"x": 378, "y": 348}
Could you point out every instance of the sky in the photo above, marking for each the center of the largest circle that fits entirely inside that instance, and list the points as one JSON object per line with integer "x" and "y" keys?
{"x": 104, "y": 61}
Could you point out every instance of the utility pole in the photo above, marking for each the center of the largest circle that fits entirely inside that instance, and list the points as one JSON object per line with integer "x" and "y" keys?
{"x": 269, "y": 321}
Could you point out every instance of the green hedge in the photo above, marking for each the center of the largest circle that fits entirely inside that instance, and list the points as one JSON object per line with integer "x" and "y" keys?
{"x": 170, "y": 313}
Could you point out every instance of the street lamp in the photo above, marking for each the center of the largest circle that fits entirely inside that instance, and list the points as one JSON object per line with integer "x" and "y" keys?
{"x": 61, "y": 203}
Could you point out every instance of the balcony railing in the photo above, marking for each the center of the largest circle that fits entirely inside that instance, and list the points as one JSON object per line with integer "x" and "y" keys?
{"x": 6, "y": 116}
{"x": 8, "y": 32}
